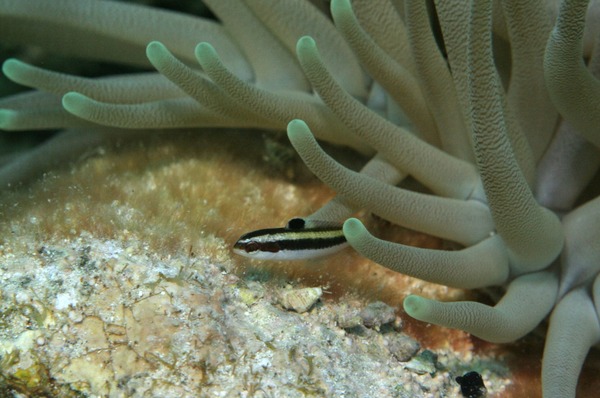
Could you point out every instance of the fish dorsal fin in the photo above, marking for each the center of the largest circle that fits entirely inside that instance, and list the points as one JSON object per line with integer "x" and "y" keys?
{"x": 299, "y": 223}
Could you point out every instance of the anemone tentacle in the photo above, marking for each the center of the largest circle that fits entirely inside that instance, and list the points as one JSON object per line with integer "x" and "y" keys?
{"x": 287, "y": 21}
{"x": 117, "y": 89}
{"x": 437, "y": 170}
{"x": 579, "y": 258}
{"x": 573, "y": 329}
{"x": 274, "y": 68}
{"x": 199, "y": 87}
{"x": 435, "y": 78}
{"x": 119, "y": 31}
{"x": 566, "y": 169}
{"x": 479, "y": 265}
{"x": 573, "y": 89}
{"x": 37, "y": 111}
{"x": 462, "y": 221}
{"x": 532, "y": 234}
{"x": 404, "y": 88}
{"x": 507, "y": 321}
{"x": 338, "y": 209}
{"x": 272, "y": 105}
{"x": 528, "y": 26}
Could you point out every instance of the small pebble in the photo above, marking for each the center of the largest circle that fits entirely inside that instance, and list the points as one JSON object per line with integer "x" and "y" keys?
{"x": 348, "y": 319}
{"x": 423, "y": 363}
{"x": 300, "y": 300}
{"x": 76, "y": 317}
{"x": 402, "y": 346}
{"x": 376, "y": 314}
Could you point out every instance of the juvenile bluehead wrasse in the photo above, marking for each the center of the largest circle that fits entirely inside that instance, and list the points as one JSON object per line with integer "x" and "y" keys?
{"x": 300, "y": 239}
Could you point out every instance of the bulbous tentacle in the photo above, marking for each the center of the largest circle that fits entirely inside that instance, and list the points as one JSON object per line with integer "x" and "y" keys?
{"x": 528, "y": 300}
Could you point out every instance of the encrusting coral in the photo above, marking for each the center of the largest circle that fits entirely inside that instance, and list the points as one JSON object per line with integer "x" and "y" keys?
{"x": 497, "y": 115}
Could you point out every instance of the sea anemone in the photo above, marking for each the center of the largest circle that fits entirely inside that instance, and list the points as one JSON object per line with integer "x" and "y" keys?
{"x": 493, "y": 107}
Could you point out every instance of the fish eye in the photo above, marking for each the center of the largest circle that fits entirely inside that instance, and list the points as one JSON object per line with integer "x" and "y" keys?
{"x": 251, "y": 247}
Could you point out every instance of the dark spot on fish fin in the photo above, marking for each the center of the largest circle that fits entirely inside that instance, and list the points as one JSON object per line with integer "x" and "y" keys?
{"x": 296, "y": 223}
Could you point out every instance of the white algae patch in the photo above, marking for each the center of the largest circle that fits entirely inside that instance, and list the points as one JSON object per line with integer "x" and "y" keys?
{"x": 65, "y": 300}
{"x": 111, "y": 319}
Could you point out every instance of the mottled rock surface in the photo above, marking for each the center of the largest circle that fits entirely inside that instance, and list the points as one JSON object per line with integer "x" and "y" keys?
{"x": 107, "y": 317}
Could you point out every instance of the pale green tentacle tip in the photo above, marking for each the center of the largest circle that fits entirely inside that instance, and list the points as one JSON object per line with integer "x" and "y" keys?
{"x": 205, "y": 51}
{"x": 159, "y": 55}
{"x": 340, "y": 6}
{"x": 417, "y": 307}
{"x": 354, "y": 230}
{"x": 155, "y": 50}
{"x": 75, "y": 103}
{"x": 8, "y": 119}
{"x": 343, "y": 14}
{"x": 14, "y": 69}
{"x": 305, "y": 43}
{"x": 298, "y": 132}
{"x": 307, "y": 53}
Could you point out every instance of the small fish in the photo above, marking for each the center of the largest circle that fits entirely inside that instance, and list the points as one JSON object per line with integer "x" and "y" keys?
{"x": 299, "y": 239}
